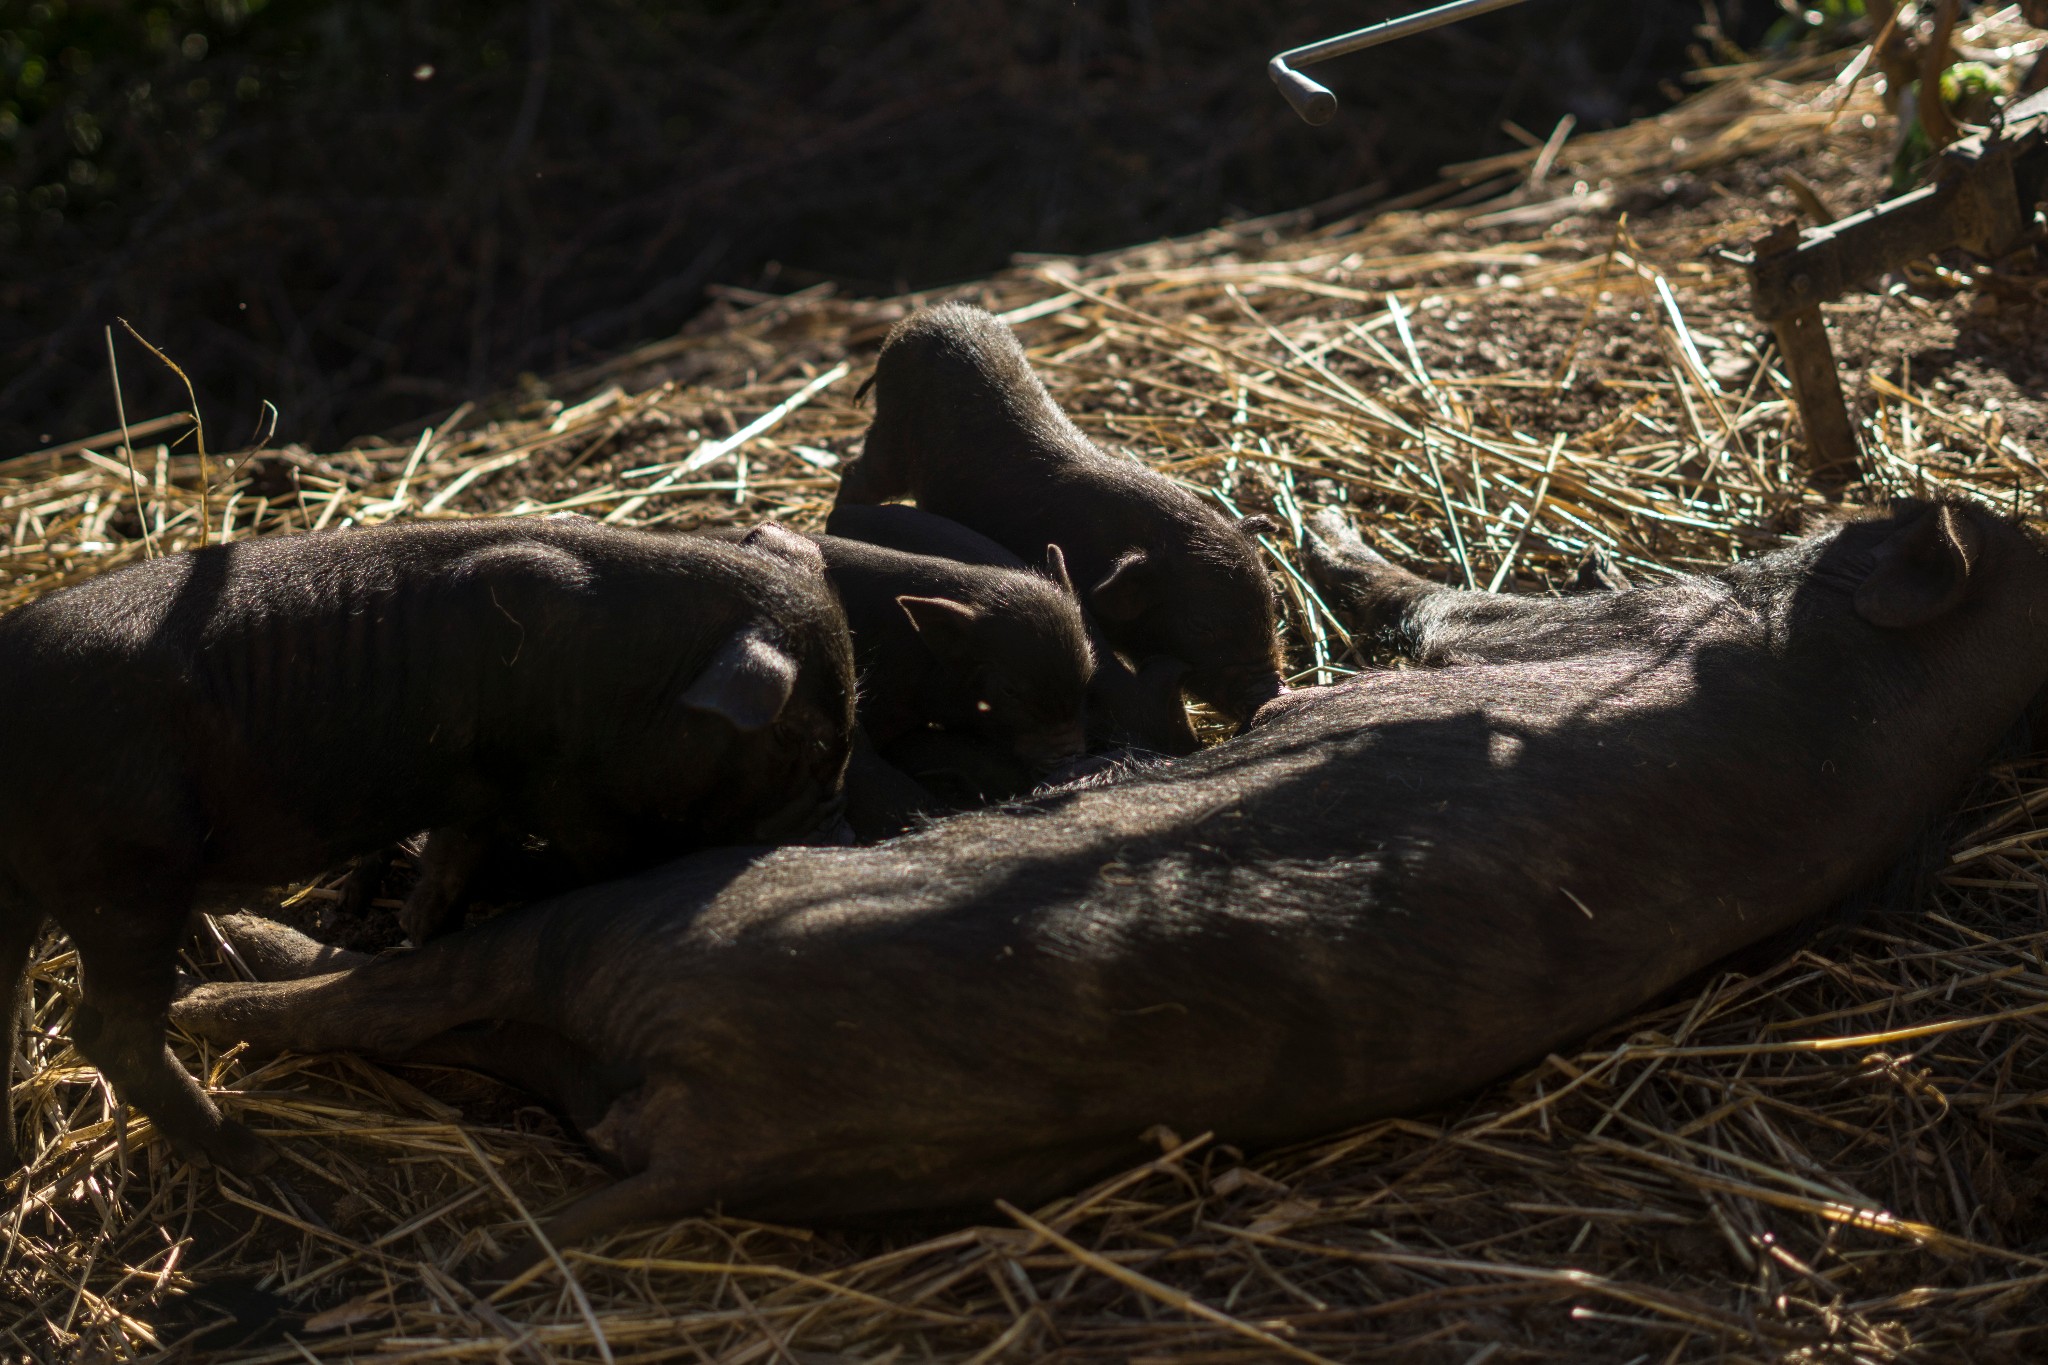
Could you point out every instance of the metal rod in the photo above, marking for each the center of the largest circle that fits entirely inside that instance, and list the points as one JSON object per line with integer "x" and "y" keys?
{"x": 1314, "y": 102}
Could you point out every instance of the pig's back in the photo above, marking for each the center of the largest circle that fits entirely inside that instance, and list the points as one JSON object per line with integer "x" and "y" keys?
{"x": 916, "y": 531}
{"x": 305, "y": 691}
{"x": 1374, "y": 903}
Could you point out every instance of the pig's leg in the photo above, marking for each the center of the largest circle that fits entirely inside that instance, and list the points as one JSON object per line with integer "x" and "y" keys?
{"x": 882, "y": 800}
{"x": 865, "y": 480}
{"x": 130, "y": 962}
{"x": 447, "y": 863}
{"x": 365, "y": 877}
{"x": 276, "y": 952}
{"x": 19, "y": 929}
{"x": 386, "y": 1007}
{"x": 959, "y": 770}
{"x": 1400, "y": 611}
{"x": 1141, "y": 709}
{"x": 1373, "y": 596}
{"x": 657, "y": 1194}
{"x": 538, "y": 1060}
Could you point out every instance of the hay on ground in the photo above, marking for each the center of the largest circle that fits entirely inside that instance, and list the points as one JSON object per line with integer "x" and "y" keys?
{"x": 1843, "y": 1156}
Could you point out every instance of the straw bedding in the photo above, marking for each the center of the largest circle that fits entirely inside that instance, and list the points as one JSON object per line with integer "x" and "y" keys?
{"x": 1839, "y": 1153}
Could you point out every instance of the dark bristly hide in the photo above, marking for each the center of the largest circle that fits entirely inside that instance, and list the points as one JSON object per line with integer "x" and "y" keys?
{"x": 966, "y": 428}
{"x": 1128, "y": 707}
{"x": 261, "y": 710}
{"x": 1383, "y": 894}
{"x": 993, "y": 657}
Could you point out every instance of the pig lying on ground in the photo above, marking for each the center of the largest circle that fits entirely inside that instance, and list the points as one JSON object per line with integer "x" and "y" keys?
{"x": 258, "y": 711}
{"x": 1382, "y": 895}
{"x": 965, "y": 427}
{"x": 1136, "y": 708}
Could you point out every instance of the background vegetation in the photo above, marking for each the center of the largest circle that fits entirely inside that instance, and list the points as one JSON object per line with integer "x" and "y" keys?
{"x": 364, "y": 213}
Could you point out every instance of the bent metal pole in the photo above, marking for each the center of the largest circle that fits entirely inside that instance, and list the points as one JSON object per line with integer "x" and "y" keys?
{"x": 1316, "y": 104}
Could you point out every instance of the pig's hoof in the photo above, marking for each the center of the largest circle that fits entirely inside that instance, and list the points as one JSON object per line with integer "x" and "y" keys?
{"x": 1599, "y": 573}
{"x": 233, "y": 1147}
{"x": 203, "y": 1010}
{"x": 1337, "y": 537}
{"x": 511, "y": 1265}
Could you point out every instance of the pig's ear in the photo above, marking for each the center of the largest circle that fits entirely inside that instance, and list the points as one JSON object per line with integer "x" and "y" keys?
{"x": 943, "y": 624}
{"x": 1128, "y": 590}
{"x": 1056, "y": 567}
{"x": 1922, "y": 571}
{"x": 748, "y": 682}
{"x": 1257, "y": 524}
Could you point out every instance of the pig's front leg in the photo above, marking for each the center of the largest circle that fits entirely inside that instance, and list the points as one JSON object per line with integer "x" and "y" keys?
{"x": 386, "y": 1007}
{"x": 882, "y": 801}
{"x": 129, "y": 962}
{"x": 961, "y": 771}
{"x": 447, "y": 862}
{"x": 365, "y": 878}
{"x": 1139, "y": 708}
{"x": 1397, "y": 610}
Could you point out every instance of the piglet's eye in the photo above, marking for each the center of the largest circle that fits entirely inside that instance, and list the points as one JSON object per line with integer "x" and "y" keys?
{"x": 983, "y": 707}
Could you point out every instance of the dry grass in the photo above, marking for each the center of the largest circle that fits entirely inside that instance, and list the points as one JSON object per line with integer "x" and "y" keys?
{"x": 1843, "y": 1157}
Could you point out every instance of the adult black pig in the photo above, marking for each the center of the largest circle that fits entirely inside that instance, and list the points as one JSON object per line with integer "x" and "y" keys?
{"x": 963, "y": 425}
{"x": 258, "y": 711}
{"x": 1385, "y": 893}
{"x": 1127, "y": 707}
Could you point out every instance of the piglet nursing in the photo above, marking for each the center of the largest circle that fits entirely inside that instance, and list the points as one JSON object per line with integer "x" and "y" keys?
{"x": 256, "y": 712}
{"x": 965, "y": 427}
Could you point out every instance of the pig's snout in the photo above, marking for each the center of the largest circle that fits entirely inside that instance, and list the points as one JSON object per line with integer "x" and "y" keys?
{"x": 811, "y": 811}
{"x": 1286, "y": 701}
{"x": 1238, "y": 693}
{"x": 1045, "y": 750}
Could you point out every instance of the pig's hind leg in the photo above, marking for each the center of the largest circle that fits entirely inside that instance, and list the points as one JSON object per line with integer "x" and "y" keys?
{"x": 529, "y": 1056}
{"x": 1408, "y": 615}
{"x": 649, "y": 1131}
{"x": 575, "y": 1081}
{"x": 278, "y": 952}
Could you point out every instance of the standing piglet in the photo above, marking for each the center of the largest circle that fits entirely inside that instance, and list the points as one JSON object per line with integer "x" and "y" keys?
{"x": 964, "y": 426}
{"x": 255, "y": 712}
